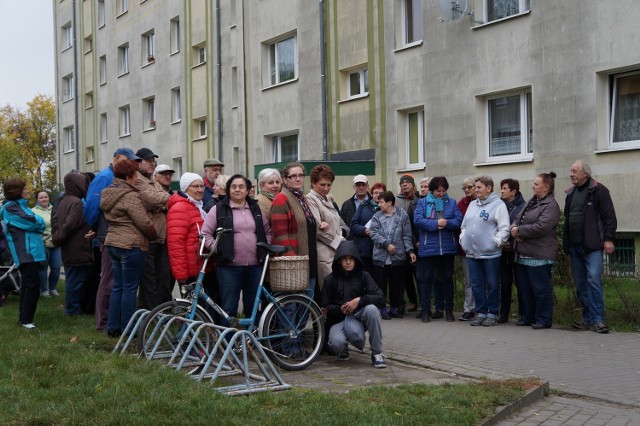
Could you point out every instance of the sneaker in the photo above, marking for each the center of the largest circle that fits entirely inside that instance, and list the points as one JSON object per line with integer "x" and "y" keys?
{"x": 424, "y": 316}
{"x": 29, "y": 326}
{"x": 343, "y": 356}
{"x": 437, "y": 315}
{"x": 45, "y": 294}
{"x": 580, "y": 325}
{"x": 478, "y": 321}
{"x": 490, "y": 322}
{"x": 378, "y": 361}
{"x": 599, "y": 327}
{"x": 467, "y": 316}
{"x": 54, "y": 293}
{"x": 450, "y": 317}
{"x": 384, "y": 312}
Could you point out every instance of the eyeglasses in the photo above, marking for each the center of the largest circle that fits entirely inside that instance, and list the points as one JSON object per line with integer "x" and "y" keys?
{"x": 196, "y": 187}
{"x": 468, "y": 187}
{"x": 294, "y": 177}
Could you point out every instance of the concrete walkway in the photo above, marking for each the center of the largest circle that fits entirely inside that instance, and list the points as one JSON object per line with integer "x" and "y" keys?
{"x": 603, "y": 368}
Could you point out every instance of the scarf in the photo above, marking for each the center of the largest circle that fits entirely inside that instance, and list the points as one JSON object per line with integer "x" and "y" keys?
{"x": 435, "y": 202}
{"x": 198, "y": 204}
{"x": 299, "y": 195}
{"x": 268, "y": 195}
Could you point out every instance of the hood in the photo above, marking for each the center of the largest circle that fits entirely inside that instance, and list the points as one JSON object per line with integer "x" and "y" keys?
{"x": 177, "y": 197}
{"x": 111, "y": 195}
{"x": 345, "y": 248}
{"x": 519, "y": 199}
{"x": 490, "y": 199}
{"x": 76, "y": 184}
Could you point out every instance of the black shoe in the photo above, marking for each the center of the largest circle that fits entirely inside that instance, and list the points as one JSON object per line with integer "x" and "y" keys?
{"x": 113, "y": 333}
{"x": 424, "y": 316}
{"x": 384, "y": 313}
{"x": 467, "y": 316}
{"x": 599, "y": 327}
{"x": 437, "y": 315}
{"x": 395, "y": 313}
{"x": 401, "y": 311}
{"x": 580, "y": 325}
{"x": 502, "y": 320}
{"x": 450, "y": 317}
{"x": 521, "y": 323}
{"x": 538, "y": 326}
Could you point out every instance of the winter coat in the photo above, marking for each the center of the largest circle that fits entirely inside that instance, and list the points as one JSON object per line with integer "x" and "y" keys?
{"x": 361, "y": 218}
{"x": 24, "y": 232}
{"x": 341, "y": 286}
{"x": 348, "y": 209}
{"x": 537, "y": 229}
{"x": 485, "y": 228}
{"x": 184, "y": 223}
{"x": 400, "y": 237}
{"x": 434, "y": 241}
{"x": 129, "y": 224}
{"x": 403, "y": 201}
{"x": 600, "y": 222}
{"x": 155, "y": 201}
{"x": 69, "y": 225}
{"x": 92, "y": 212}
{"x": 514, "y": 208}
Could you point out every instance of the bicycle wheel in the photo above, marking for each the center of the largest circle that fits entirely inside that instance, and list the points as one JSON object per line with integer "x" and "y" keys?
{"x": 292, "y": 332}
{"x": 155, "y": 321}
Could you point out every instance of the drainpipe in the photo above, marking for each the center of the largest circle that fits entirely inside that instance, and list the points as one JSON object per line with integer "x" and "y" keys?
{"x": 76, "y": 112}
{"x": 323, "y": 83}
{"x": 219, "y": 83}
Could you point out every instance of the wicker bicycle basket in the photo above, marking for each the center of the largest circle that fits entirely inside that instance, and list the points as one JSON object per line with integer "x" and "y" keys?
{"x": 289, "y": 273}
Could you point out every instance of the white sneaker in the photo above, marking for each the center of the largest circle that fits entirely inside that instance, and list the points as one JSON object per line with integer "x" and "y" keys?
{"x": 29, "y": 326}
{"x": 45, "y": 294}
{"x": 378, "y": 361}
{"x": 54, "y": 293}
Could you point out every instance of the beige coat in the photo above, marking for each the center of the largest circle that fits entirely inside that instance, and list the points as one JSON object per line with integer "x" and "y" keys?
{"x": 327, "y": 240}
{"x": 155, "y": 200}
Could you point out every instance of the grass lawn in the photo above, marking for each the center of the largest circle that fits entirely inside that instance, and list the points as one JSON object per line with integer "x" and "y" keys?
{"x": 63, "y": 373}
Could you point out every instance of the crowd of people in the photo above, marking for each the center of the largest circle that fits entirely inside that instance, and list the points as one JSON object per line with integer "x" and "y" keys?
{"x": 376, "y": 257}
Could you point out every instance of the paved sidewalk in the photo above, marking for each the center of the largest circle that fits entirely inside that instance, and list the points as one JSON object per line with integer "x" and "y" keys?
{"x": 603, "y": 367}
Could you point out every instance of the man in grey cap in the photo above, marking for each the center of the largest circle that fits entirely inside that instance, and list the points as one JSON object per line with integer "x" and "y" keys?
{"x": 95, "y": 219}
{"x": 212, "y": 169}
{"x": 155, "y": 285}
{"x": 361, "y": 195}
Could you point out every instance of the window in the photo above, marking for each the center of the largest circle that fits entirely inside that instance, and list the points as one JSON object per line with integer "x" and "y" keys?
{"x": 414, "y": 138}
{"x": 149, "y": 113}
{"x": 498, "y": 9}
{"x": 622, "y": 262}
{"x": 148, "y": 47}
{"x": 67, "y": 88}
{"x": 101, "y": 14}
{"x": 174, "y": 35}
{"x": 125, "y": 120}
{"x": 121, "y": 6}
{"x": 412, "y": 21}
{"x": 88, "y": 154}
{"x": 176, "y": 164}
{"x": 103, "y": 127}
{"x": 200, "y": 128}
{"x": 88, "y": 100}
{"x": 103, "y": 69}
{"x": 625, "y": 110}
{"x": 358, "y": 83}
{"x": 282, "y": 61}
{"x": 69, "y": 139}
{"x": 67, "y": 36}
{"x": 88, "y": 44}
{"x": 123, "y": 59}
{"x": 284, "y": 148}
{"x": 200, "y": 54}
{"x": 176, "y": 109}
{"x": 510, "y": 126}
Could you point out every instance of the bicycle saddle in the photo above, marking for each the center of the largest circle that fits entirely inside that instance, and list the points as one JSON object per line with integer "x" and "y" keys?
{"x": 273, "y": 248}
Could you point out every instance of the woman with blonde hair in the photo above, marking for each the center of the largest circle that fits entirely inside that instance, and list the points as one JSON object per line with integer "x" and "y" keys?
{"x": 270, "y": 184}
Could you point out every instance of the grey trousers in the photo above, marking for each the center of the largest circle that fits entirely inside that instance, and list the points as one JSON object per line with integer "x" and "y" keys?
{"x": 352, "y": 330}
{"x": 469, "y": 301}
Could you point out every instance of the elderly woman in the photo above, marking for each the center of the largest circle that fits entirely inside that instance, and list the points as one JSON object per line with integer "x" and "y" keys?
{"x": 484, "y": 230}
{"x": 392, "y": 245}
{"x": 536, "y": 245}
{"x": 238, "y": 259}
{"x": 127, "y": 241}
{"x": 438, "y": 219}
{"x": 24, "y": 235}
{"x": 270, "y": 184}
{"x": 360, "y": 224}
{"x": 469, "y": 306}
{"x": 48, "y": 284}
{"x": 331, "y": 230}
{"x": 292, "y": 222}
{"x": 219, "y": 193}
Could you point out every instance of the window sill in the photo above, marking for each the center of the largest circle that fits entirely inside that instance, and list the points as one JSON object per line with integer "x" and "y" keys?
{"x": 199, "y": 138}
{"x": 150, "y": 129}
{"x": 103, "y": 142}
{"x": 498, "y": 162}
{"x": 64, "y": 101}
{"x": 88, "y": 107}
{"x": 89, "y": 162}
{"x": 293, "y": 80}
{"x": 148, "y": 63}
{"x": 101, "y": 26}
{"x": 123, "y": 74}
{"x": 176, "y": 122}
{"x": 408, "y": 46}
{"x": 175, "y": 52}
{"x": 122, "y": 13}
{"x": 64, "y": 49}
{"x": 71, "y": 151}
{"x": 412, "y": 168}
{"x": 497, "y": 21}
{"x": 125, "y": 135}
{"x": 234, "y": 107}
{"x": 354, "y": 98}
{"x": 88, "y": 51}
{"x": 103, "y": 83}
{"x": 614, "y": 150}
{"x": 199, "y": 65}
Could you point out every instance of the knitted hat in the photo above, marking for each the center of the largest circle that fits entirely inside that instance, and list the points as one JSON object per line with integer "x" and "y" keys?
{"x": 187, "y": 179}
{"x": 407, "y": 178}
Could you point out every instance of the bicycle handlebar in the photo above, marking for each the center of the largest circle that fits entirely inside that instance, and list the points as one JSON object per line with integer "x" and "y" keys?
{"x": 219, "y": 233}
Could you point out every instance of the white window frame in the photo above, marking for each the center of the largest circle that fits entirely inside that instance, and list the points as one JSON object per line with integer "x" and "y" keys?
{"x": 176, "y": 107}
{"x": 200, "y": 54}
{"x": 200, "y": 128}
{"x": 123, "y": 60}
{"x": 174, "y": 35}
{"x": 103, "y": 69}
{"x": 148, "y": 47}
{"x": 88, "y": 100}
{"x": 526, "y": 141}
{"x": 412, "y": 14}
{"x": 102, "y": 14}
{"x": 612, "y": 119}
{"x": 124, "y": 113}
{"x": 273, "y": 68}
{"x": 419, "y": 114}
{"x": 149, "y": 113}
{"x": 523, "y": 6}
{"x": 363, "y": 83}
{"x": 68, "y": 89}
{"x": 67, "y": 36}
{"x": 89, "y": 154}
{"x": 122, "y": 6}
{"x": 276, "y": 142}
{"x": 69, "y": 139}
{"x": 103, "y": 128}
{"x": 88, "y": 44}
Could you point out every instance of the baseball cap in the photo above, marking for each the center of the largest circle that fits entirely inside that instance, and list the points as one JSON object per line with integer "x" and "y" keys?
{"x": 213, "y": 162}
{"x": 360, "y": 179}
{"x": 163, "y": 168}
{"x": 127, "y": 152}
{"x": 146, "y": 154}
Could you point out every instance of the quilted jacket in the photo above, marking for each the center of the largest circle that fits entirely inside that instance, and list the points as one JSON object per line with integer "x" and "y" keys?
{"x": 184, "y": 223}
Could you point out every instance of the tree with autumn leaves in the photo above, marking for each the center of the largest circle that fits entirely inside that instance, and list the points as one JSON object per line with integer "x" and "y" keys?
{"x": 28, "y": 143}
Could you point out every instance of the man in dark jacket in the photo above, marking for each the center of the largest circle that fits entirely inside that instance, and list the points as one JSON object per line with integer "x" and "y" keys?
{"x": 589, "y": 228}
{"x": 360, "y": 196}
{"x": 352, "y": 301}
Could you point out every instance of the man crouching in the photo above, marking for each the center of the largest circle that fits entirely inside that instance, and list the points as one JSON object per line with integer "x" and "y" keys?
{"x": 352, "y": 301}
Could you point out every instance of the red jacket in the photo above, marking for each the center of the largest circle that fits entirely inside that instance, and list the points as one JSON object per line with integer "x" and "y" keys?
{"x": 183, "y": 224}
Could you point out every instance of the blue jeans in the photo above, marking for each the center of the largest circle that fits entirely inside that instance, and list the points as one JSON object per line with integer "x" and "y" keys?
{"x": 54, "y": 262}
{"x": 534, "y": 285}
{"x": 436, "y": 272}
{"x": 587, "y": 277}
{"x": 234, "y": 279}
{"x": 128, "y": 267}
{"x": 75, "y": 277}
{"x": 485, "y": 283}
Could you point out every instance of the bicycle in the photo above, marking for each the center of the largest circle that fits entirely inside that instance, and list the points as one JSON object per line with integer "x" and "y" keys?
{"x": 291, "y": 327}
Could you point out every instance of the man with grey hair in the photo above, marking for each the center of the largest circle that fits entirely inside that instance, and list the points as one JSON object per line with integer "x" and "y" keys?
{"x": 589, "y": 228}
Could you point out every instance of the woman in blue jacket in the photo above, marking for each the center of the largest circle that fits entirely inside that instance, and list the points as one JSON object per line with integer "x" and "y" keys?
{"x": 437, "y": 218}
{"x": 24, "y": 234}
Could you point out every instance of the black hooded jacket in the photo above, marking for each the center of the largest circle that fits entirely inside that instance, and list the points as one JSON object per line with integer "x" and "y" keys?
{"x": 341, "y": 286}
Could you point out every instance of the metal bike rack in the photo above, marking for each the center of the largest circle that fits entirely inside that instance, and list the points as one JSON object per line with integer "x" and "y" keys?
{"x": 130, "y": 331}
